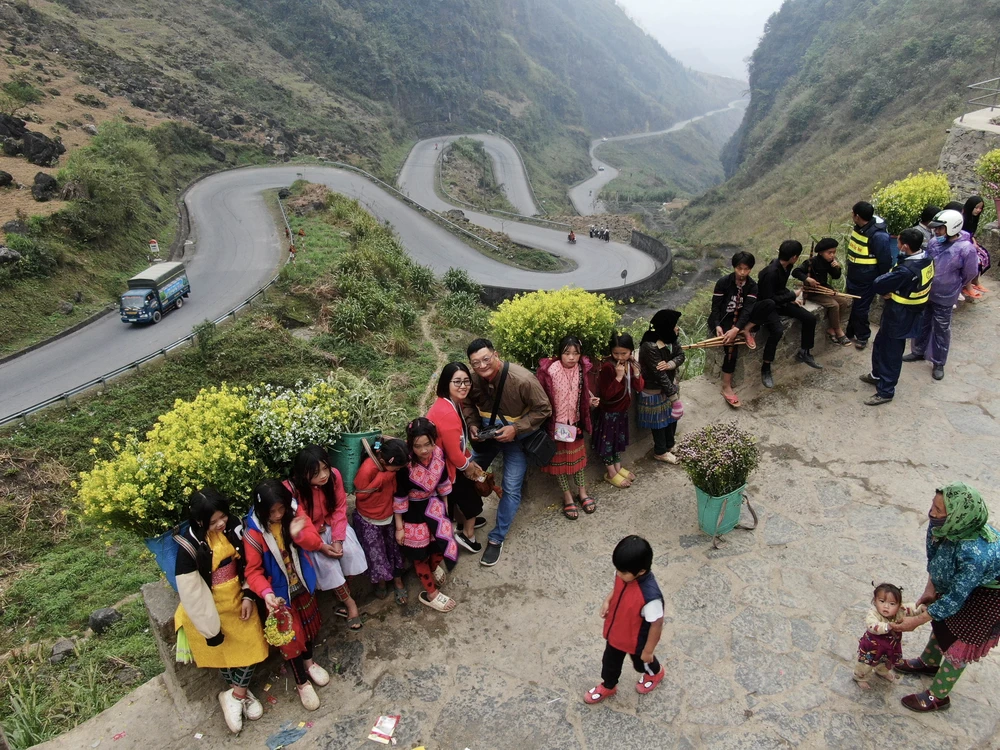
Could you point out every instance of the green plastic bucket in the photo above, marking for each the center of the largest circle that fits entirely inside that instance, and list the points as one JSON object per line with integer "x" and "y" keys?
{"x": 348, "y": 453}
{"x": 719, "y": 515}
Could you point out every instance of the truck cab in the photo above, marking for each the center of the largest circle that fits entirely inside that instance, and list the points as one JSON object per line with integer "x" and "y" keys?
{"x": 153, "y": 292}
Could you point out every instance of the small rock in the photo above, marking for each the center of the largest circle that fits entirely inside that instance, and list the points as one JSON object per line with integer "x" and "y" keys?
{"x": 66, "y": 308}
{"x": 102, "y": 619}
{"x": 89, "y": 100}
{"x": 40, "y": 149}
{"x": 11, "y": 147}
{"x": 88, "y": 128}
{"x": 45, "y": 187}
{"x": 8, "y": 256}
{"x": 78, "y": 297}
{"x": 61, "y": 649}
{"x": 217, "y": 153}
{"x": 237, "y": 119}
{"x": 284, "y": 193}
{"x": 15, "y": 226}
{"x": 6, "y": 178}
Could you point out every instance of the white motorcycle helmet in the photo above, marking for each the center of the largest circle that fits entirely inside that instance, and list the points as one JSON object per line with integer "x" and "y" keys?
{"x": 950, "y": 219}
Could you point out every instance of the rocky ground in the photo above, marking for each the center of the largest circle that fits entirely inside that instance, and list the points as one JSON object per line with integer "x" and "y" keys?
{"x": 760, "y": 636}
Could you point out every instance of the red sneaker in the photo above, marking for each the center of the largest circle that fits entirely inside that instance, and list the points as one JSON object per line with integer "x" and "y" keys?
{"x": 647, "y": 683}
{"x": 599, "y": 693}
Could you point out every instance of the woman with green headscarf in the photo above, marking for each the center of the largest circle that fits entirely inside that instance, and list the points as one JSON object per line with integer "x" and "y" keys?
{"x": 962, "y": 594}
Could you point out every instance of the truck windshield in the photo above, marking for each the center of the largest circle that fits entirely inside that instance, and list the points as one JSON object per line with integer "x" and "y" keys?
{"x": 133, "y": 300}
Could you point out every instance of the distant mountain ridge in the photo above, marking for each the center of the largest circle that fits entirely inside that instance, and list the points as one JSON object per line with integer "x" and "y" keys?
{"x": 845, "y": 94}
{"x": 353, "y": 78}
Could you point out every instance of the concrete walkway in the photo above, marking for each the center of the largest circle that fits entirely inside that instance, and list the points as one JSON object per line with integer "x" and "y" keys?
{"x": 761, "y": 635}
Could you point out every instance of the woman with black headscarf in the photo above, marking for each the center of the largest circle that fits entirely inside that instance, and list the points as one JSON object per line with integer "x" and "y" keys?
{"x": 660, "y": 355}
{"x": 972, "y": 210}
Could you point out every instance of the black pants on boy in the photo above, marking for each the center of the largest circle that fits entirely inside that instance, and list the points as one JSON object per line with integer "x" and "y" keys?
{"x": 611, "y": 666}
{"x": 764, "y": 315}
{"x": 663, "y": 438}
{"x": 806, "y": 318}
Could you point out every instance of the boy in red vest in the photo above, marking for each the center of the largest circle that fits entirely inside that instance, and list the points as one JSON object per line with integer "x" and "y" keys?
{"x": 633, "y": 620}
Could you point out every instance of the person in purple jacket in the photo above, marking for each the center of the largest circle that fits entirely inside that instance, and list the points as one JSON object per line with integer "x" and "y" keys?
{"x": 956, "y": 264}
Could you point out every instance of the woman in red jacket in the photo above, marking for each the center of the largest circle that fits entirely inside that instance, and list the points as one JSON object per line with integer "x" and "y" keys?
{"x": 331, "y": 544}
{"x": 464, "y": 502}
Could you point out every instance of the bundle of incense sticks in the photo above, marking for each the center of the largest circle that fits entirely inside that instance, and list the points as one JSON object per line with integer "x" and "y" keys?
{"x": 713, "y": 342}
{"x": 827, "y": 292}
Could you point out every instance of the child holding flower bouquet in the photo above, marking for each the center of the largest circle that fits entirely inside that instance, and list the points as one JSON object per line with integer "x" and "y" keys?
{"x": 281, "y": 575}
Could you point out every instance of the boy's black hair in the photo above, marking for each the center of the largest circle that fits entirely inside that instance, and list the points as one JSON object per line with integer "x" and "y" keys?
{"x": 789, "y": 249}
{"x": 476, "y": 344}
{"x": 889, "y": 588}
{"x": 633, "y": 554}
{"x": 744, "y": 258}
{"x": 912, "y": 238}
{"x": 864, "y": 210}
{"x": 623, "y": 340}
{"x": 444, "y": 382}
{"x": 827, "y": 243}
{"x": 928, "y": 214}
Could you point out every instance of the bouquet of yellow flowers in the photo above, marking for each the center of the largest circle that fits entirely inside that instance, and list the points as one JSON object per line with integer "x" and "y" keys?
{"x": 278, "y": 630}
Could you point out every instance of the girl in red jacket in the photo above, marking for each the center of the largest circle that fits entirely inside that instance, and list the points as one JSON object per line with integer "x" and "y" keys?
{"x": 330, "y": 543}
{"x": 375, "y": 487}
{"x": 565, "y": 383}
{"x": 618, "y": 379}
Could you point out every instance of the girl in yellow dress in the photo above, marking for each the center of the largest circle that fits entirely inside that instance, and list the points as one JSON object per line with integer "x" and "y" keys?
{"x": 217, "y": 617}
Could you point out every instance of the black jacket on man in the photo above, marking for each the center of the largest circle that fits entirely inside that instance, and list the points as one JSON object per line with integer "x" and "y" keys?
{"x": 772, "y": 283}
{"x": 731, "y": 303}
{"x": 819, "y": 269}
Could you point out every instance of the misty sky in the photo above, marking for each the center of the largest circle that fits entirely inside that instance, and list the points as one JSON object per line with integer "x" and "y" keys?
{"x": 714, "y": 35}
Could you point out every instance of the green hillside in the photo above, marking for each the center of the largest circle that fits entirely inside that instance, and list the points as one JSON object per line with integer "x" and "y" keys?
{"x": 679, "y": 164}
{"x": 844, "y": 94}
{"x": 355, "y": 78}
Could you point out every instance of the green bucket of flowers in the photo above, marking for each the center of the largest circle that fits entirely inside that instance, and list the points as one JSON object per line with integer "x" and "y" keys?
{"x": 719, "y": 459}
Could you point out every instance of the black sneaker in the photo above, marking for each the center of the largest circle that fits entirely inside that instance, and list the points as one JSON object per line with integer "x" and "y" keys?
{"x": 911, "y": 357}
{"x": 480, "y": 522}
{"x": 938, "y": 372}
{"x": 765, "y": 376}
{"x": 868, "y": 378}
{"x": 860, "y": 344}
{"x": 492, "y": 554}
{"x": 467, "y": 544}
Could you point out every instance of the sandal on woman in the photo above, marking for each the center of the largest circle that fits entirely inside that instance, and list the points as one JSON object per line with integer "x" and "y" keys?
{"x": 924, "y": 702}
{"x": 623, "y": 472}
{"x": 915, "y": 666}
{"x": 733, "y": 400}
{"x": 843, "y": 341}
{"x": 401, "y": 595}
{"x": 571, "y": 511}
{"x": 354, "y": 623}
{"x": 441, "y": 603}
{"x": 589, "y": 505}
{"x": 340, "y": 611}
{"x": 618, "y": 481}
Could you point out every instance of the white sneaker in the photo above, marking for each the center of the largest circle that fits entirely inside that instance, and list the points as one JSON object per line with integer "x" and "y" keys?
{"x": 307, "y": 694}
{"x": 318, "y": 675}
{"x": 251, "y": 707}
{"x": 232, "y": 710}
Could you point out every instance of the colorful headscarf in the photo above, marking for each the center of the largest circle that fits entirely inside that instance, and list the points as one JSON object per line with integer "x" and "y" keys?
{"x": 968, "y": 516}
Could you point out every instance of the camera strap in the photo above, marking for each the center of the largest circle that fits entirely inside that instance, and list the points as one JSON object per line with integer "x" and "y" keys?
{"x": 496, "y": 398}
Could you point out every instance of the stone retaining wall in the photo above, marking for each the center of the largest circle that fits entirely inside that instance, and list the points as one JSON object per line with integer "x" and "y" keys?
{"x": 966, "y": 143}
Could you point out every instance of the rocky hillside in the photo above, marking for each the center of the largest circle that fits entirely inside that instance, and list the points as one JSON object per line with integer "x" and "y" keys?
{"x": 354, "y": 78}
{"x": 844, "y": 94}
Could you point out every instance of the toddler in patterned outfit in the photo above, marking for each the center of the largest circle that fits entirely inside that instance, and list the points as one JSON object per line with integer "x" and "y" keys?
{"x": 881, "y": 647}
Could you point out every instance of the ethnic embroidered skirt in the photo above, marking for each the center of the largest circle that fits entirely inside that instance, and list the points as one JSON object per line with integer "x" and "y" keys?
{"x": 379, "y": 543}
{"x": 611, "y": 434}
{"x": 969, "y": 634}
{"x": 654, "y": 411}
{"x": 433, "y": 533}
{"x": 569, "y": 459}
{"x": 305, "y": 622}
{"x": 880, "y": 649}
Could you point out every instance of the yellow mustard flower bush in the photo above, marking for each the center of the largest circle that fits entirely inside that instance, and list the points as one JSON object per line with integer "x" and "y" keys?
{"x": 530, "y": 326}
{"x": 286, "y": 420}
{"x": 145, "y": 484}
{"x": 901, "y": 202}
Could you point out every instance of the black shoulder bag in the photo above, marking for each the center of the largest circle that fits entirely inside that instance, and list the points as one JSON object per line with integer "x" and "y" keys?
{"x": 539, "y": 448}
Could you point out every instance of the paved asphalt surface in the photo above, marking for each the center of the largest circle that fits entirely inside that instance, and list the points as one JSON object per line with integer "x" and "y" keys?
{"x": 584, "y": 195}
{"x": 236, "y": 252}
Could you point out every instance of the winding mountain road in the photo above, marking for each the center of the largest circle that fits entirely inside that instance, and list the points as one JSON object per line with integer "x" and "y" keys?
{"x": 584, "y": 196}
{"x": 237, "y": 249}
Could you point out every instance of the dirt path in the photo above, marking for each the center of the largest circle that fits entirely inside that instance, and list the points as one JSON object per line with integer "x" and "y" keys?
{"x": 440, "y": 356}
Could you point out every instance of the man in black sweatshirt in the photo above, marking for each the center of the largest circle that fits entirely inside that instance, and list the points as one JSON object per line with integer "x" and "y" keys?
{"x": 772, "y": 284}
{"x": 815, "y": 274}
